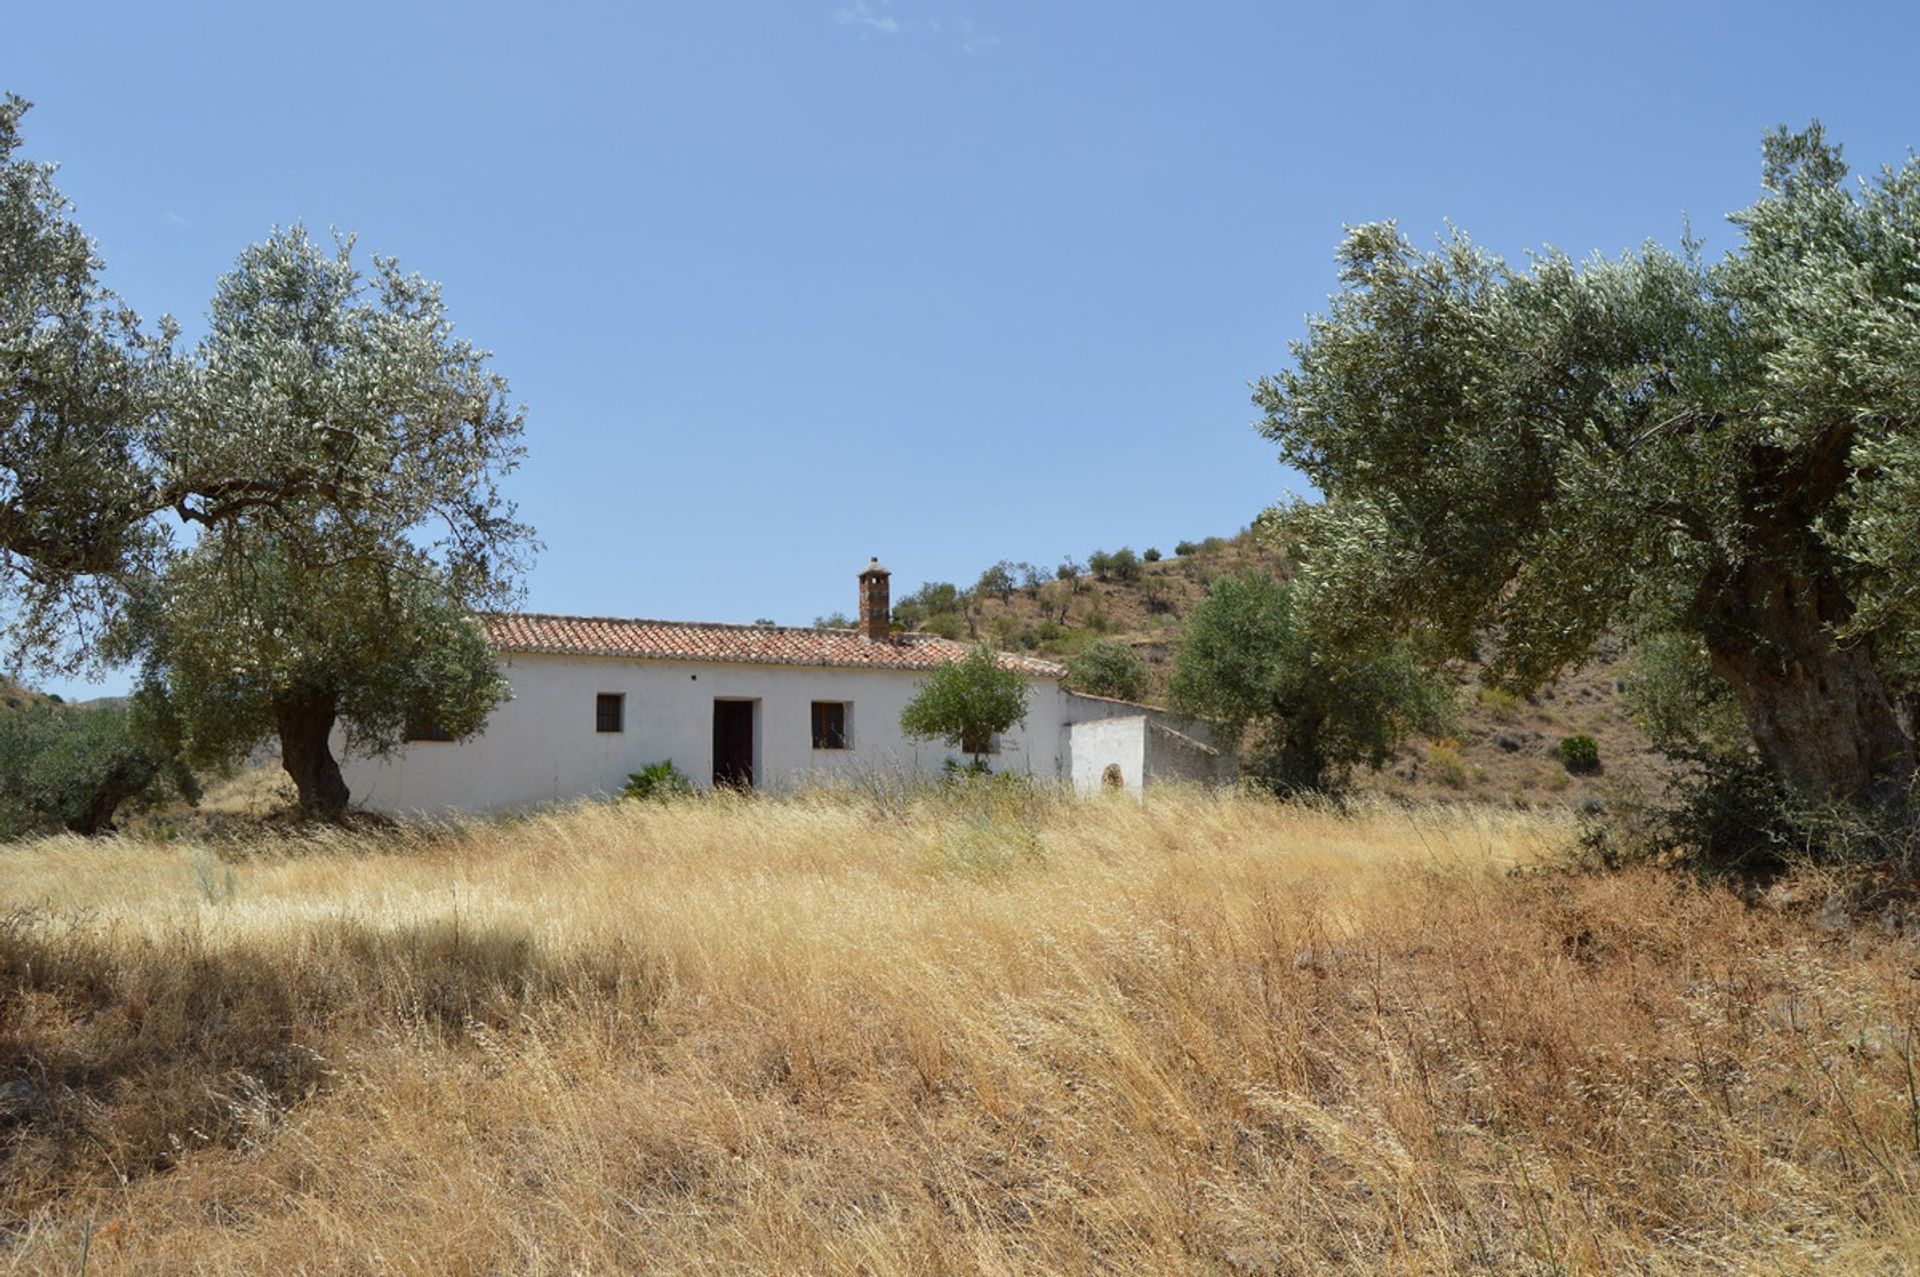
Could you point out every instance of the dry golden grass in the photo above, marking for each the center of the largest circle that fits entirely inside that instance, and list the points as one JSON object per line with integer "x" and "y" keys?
{"x": 1008, "y": 1035}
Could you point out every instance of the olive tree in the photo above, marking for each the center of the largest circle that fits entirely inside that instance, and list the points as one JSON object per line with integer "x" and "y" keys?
{"x": 80, "y": 476}
{"x": 320, "y": 400}
{"x": 967, "y": 702}
{"x": 1301, "y": 712}
{"x": 1108, "y": 667}
{"x": 348, "y": 601}
{"x": 74, "y": 768}
{"x": 1656, "y": 443}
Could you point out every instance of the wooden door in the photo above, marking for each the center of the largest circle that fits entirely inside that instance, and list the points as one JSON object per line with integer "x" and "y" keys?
{"x": 733, "y": 743}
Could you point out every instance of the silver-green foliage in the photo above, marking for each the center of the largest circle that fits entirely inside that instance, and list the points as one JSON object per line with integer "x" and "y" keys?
{"x": 349, "y": 597}
{"x": 1654, "y": 443}
{"x": 67, "y": 768}
{"x": 1108, "y": 667}
{"x": 336, "y": 412}
{"x": 81, "y": 475}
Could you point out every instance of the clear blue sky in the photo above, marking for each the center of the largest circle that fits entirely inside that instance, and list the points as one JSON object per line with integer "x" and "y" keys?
{"x": 786, "y": 283}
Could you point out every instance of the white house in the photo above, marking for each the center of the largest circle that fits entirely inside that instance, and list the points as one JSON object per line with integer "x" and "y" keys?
{"x": 596, "y": 698}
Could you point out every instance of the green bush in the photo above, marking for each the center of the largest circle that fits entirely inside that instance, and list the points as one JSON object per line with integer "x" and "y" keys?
{"x": 1107, "y": 667}
{"x": 73, "y": 769}
{"x": 947, "y": 625}
{"x": 657, "y": 782}
{"x": 1100, "y": 563}
{"x": 967, "y": 703}
{"x": 1184, "y": 548}
{"x": 1580, "y": 753}
{"x": 1152, "y": 555}
{"x": 1124, "y": 565}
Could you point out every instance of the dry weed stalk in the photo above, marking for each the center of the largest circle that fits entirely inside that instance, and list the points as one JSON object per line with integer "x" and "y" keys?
{"x": 1023, "y": 1035}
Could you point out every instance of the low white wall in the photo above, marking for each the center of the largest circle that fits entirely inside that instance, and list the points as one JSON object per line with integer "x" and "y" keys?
{"x": 542, "y": 746}
{"x": 1174, "y": 755}
{"x": 1097, "y": 744}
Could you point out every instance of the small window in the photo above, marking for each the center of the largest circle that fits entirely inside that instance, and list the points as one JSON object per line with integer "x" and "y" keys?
{"x": 610, "y": 712}
{"x": 830, "y": 725}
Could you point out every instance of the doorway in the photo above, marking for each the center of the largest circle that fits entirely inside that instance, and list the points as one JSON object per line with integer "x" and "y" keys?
{"x": 733, "y": 744}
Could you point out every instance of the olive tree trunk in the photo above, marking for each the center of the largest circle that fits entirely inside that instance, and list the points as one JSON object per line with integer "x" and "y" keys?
{"x": 1821, "y": 716}
{"x": 306, "y": 754}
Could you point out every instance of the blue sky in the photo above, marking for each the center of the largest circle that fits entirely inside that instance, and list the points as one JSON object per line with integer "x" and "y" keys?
{"x": 787, "y": 283}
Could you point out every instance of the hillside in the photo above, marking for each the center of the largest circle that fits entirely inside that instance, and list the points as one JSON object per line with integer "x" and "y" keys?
{"x": 14, "y": 696}
{"x": 1505, "y": 750}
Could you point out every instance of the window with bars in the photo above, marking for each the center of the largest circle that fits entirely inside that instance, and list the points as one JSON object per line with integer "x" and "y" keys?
{"x": 830, "y": 725}
{"x": 609, "y": 712}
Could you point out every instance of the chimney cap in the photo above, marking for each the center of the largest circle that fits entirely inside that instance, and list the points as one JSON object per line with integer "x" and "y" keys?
{"x": 873, "y": 568}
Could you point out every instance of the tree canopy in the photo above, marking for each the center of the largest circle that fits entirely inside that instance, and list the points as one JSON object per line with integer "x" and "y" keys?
{"x": 1302, "y": 713}
{"x": 322, "y": 402}
{"x": 1655, "y": 443}
{"x": 350, "y": 603}
{"x": 1108, "y": 667}
{"x": 70, "y": 768}
{"x": 967, "y": 703}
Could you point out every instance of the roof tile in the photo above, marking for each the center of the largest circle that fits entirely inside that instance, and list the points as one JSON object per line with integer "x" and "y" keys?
{"x": 543, "y": 634}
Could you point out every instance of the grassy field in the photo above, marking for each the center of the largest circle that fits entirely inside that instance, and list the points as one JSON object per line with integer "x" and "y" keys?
{"x": 1011, "y": 1035}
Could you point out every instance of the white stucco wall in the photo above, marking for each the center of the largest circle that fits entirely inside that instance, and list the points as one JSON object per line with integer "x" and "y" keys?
{"x": 1176, "y": 756}
{"x": 542, "y": 746}
{"x": 1097, "y": 744}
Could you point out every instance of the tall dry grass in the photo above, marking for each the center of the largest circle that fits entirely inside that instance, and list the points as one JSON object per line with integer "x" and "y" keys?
{"x": 1009, "y": 1035}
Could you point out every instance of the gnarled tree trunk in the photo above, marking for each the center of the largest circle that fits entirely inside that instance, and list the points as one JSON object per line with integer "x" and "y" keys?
{"x": 306, "y": 753}
{"x": 1823, "y": 719}
{"x": 1820, "y": 714}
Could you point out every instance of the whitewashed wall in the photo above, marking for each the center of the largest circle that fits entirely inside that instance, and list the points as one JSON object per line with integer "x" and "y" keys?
{"x": 1100, "y": 743}
{"x": 541, "y": 746}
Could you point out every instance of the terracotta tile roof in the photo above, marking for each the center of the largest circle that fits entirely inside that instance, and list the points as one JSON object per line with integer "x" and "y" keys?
{"x": 535, "y": 632}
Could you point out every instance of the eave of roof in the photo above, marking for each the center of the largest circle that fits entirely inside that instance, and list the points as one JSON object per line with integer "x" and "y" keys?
{"x": 633, "y": 638}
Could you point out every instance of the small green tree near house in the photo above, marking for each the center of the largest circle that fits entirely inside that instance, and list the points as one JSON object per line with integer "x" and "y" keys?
{"x": 1301, "y": 710}
{"x": 1108, "y": 667}
{"x": 967, "y": 702}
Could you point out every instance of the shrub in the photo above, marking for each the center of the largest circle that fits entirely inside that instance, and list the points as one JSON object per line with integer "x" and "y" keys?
{"x": 967, "y": 703}
{"x": 1107, "y": 667}
{"x": 1185, "y": 548}
{"x": 1124, "y": 565}
{"x": 73, "y": 769}
{"x": 1501, "y": 705}
{"x": 1580, "y": 753}
{"x": 1100, "y": 563}
{"x": 657, "y": 782}
{"x": 1152, "y": 555}
{"x": 1449, "y": 768}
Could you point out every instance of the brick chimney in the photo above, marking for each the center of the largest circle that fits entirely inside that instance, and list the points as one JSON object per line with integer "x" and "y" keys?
{"x": 876, "y": 607}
